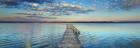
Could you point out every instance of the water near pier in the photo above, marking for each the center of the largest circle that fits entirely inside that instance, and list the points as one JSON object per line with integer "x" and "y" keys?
{"x": 48, "y": 35}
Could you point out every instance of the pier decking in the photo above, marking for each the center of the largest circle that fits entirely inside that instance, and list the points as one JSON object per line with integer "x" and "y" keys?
{"x": 70, "y": 38}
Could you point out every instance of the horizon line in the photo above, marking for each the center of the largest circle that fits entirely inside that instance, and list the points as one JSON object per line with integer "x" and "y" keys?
{"x": 70, "y": 22}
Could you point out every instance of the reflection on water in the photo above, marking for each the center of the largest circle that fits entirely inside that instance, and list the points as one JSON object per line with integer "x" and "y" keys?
{"x": 48, "y": 35}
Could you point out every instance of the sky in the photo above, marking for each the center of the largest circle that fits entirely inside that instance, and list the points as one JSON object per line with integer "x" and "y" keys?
{"x": 104, "y": 11}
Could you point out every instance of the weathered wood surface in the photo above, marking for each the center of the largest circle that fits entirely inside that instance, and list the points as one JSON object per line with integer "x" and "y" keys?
{"x": 70, "y": 38}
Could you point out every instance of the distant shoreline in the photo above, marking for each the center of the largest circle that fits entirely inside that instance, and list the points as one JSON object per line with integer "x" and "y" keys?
{"x": 69, "y": 22}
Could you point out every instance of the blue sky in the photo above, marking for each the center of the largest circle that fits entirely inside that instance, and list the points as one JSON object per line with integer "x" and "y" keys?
{"x": 101, "y": 10}
{"x": 82, "y": 2}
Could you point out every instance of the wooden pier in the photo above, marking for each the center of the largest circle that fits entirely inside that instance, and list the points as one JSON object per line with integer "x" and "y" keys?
{"x": 70, "y": 38}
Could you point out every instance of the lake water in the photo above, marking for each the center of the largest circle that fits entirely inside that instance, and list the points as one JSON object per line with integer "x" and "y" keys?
{"x": 48, "y": 35}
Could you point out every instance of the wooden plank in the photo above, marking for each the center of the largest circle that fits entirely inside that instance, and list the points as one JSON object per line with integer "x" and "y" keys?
{"x": 70, "y": 38}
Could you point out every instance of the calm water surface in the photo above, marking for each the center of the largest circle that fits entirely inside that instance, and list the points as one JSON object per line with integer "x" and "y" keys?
{"x": 48, "y": 35}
